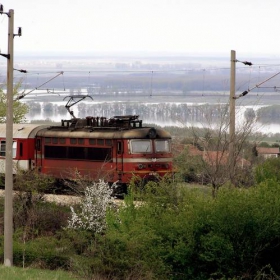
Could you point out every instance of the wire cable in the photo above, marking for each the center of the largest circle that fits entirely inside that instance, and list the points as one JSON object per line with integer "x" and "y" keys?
{"x": 23, "y": 95}
{"x": 256, "y": 86}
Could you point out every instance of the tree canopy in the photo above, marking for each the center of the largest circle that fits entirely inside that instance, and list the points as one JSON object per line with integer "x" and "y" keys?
{"x": 19, "y": 109}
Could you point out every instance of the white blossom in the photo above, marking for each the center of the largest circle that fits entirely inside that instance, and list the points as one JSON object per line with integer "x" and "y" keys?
{"x": 91, "y": 214}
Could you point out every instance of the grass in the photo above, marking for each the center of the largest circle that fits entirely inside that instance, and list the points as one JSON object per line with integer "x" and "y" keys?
{"x": 16, "y": 273}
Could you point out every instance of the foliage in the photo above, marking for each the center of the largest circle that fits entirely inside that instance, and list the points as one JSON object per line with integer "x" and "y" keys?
{"x": 33, "y": 218}
{"x": 264, "y": 144}
{"x": 268, "y": 170}
{"x": 148, "y": 239}
{"x": 92, "y": 212}
{"x": 170, "y": 232}
{"x": 245, "y": 177}
{"x": 44, "y": 252}
{"x": 188, "y": 168}
{"x": 36, "y": 238}
{"x": 19, "y": 109}
{"x": 269, "y": 113}
{"x": 241, "y": 229}
{"x": 30, "y": 211}
{"x": 43, "y": 219}
{"x": 14, "y": 273}
{"x": 183, "y": 234}
{"x": 32, "y": 182}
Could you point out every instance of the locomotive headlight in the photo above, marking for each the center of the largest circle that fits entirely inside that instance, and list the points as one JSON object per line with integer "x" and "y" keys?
{"x": 152, "y": 133}
{"x": 141, "y": 166}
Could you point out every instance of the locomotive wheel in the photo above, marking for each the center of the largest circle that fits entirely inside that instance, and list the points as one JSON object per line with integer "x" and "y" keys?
{"x": 120, "y": 190}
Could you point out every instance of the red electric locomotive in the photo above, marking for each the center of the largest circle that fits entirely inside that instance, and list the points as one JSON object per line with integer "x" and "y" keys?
{"x": 115, "y": 149}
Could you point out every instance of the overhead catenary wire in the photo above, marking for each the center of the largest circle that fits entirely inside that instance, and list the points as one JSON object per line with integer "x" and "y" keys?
{"x": 256, "y": 86}
{"x": 151, "y": 85}
{"x": 36, "y": 88}
{"x": 178, "y": 70}
{"x": 203, "y": 81}
{"x": 183, "y": 70}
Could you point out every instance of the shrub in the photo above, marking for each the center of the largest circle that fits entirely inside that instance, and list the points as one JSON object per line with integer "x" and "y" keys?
{"x": 238, "y": 233}
{"x": 151, "y": 237}
{"x": 268, "y": 170}
{"x": 188, "y": 168}
{"x": 171, "y": 232}
{"x": 47, "y": 253}
{"x": 92, "y": 212}
{"x": 184, "y": 234}
{"x": 43, "y": 219}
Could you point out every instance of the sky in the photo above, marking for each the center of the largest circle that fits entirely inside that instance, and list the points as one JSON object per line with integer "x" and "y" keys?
{"x": 153, "y": 26}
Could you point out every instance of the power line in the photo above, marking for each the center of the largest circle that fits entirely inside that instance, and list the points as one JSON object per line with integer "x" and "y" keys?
{"x": 256, "y": 86}
{"x": 148, "y": 71}
{"x": 24, "y": 94}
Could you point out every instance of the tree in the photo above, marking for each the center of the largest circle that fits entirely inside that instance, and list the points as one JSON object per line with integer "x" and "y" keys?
{"x": 215, "y": 143}
{"x": 19, "y": 109}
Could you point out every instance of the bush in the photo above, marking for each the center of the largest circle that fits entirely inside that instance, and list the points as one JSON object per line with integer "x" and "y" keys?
{"x": 47, "y": 253}
{"x": 170, "y": 232}
{"x": 238, "y": 233}
{"x": 183, "y": 234}
{"x": 92, "y": 212}
{"x": 152, "y": 239}
{"x": 188, "y": 168}
{"x": 42, "y": 219}
{"x": 268, "y": 170}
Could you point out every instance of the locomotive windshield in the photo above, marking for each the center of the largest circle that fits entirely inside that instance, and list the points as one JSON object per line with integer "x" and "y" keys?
{"x": 141, "y": 146}
{"x": 162, "y": 146}
{"x": 145, "y": 146}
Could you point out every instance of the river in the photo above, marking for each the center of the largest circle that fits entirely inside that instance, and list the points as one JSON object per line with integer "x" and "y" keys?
{"x": 195, "y": 109}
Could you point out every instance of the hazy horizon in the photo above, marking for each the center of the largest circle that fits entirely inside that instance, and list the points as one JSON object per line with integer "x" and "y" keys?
{"x": 146, "y": 53}
{"x": 160, "y": 26}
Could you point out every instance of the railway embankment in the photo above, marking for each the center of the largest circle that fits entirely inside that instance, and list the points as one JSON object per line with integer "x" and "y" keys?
{"x": 58, "y": 199}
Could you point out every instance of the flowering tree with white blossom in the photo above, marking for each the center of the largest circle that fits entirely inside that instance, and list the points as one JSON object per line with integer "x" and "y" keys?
{"x": 92, "y": 212}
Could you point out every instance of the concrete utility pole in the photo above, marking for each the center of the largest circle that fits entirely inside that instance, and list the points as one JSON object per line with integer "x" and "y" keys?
{"x": 232, "y": 115}
{"x": 8, "y": 215}
{"x": 8, "y": 211}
